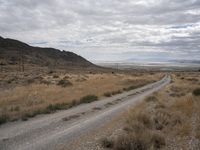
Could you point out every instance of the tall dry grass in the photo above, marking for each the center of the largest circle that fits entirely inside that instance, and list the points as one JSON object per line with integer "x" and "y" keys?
{"x": 166, "y": 114}
{"x": 63, "y": 89}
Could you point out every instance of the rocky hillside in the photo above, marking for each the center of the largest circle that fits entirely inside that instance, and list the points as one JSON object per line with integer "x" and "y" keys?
{"x": 13, "y": 52}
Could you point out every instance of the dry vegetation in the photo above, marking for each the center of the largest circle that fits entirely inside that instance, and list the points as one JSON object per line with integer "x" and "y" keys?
{"x": 168, "y": 119}
{"x": 25, "y": 95}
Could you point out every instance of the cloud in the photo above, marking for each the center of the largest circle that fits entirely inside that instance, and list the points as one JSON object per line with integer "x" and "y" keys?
{"x": 99, "y": 30}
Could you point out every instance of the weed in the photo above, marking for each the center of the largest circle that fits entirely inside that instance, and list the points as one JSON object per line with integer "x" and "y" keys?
{"x": 143, "y": 140}
{"x": 88, "y": 99}
{"x": 107, "y": 143}
{"x": 55, "y": 76}
{"x": 116, "y": 92}
{"x": 157, "y": 140}
{"x": 24, "y": 118}
{"x": 73, "y": 103}
{"x": 145, "y": 120}
{"x": 108, "y": 104}
{"x": 14, "y": 108}
{"x": 130, "y": 88}
{"x": 17, "y": 108}
{"x": 50, "y": 72}
{"x": 64, "y": 83}
{"x": 131, "y": 142}
{"x": 151, "y": 99}
{"x": 196, "y": 92}
{"x": 3, "y": 118}
{"x": 10, "y": 81}
{"x": 58, "y": 106}
{"x": 30, "y": 81}
{"x": 134, "y": 126}
{"x": 107, "y": 94}
{"x": 45, "y": 82}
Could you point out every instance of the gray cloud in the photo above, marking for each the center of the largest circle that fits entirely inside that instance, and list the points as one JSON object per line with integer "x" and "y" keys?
{"x": 101, "y": 29}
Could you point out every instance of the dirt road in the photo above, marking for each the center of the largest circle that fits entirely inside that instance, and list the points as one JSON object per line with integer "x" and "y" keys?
{"x": 59, "y": 129}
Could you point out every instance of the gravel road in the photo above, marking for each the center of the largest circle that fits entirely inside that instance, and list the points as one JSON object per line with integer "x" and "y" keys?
{"x": 57, "y": 130}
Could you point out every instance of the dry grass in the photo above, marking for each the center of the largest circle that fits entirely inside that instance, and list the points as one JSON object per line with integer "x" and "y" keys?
{"x": 198, "y": 122}
{"x": 34, "y": 95}
{"x": 165, "y": 114}
{"x": 139, "y": 141}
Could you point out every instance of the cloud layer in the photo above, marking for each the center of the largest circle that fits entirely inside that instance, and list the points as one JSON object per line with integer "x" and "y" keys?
{"x": 107, "y": 29}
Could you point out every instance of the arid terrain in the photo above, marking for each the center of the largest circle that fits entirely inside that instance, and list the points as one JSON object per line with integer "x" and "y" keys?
{"x": 59, "y": 100}
{"x": 168, "y": 119}
{"x": 58, "y": 130}
{"x": 99, "y": 75}
{"x": 25, "y": 95}
{"x": 36, "y": 80}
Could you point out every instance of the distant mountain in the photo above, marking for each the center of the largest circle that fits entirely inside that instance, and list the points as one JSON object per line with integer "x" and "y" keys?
{"x": 187, "y": 61}
{"x": 11, "y": 51}
{"x": 162, "y": 60}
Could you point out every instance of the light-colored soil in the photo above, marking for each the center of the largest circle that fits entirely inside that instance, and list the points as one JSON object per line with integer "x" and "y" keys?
{"x": 55, "y": 131}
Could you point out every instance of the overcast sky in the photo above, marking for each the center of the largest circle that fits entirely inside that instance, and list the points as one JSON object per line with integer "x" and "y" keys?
{"x": 106, "y": 30}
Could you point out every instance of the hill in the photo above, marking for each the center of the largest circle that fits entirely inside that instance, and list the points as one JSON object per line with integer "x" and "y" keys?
{"x": 13, "y": 52}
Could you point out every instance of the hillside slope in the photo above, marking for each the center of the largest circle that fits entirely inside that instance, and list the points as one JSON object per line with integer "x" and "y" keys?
{"x": 12, "y": 52}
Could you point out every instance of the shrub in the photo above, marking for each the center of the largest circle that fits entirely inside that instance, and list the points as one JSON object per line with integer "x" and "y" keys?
{"x": 107, "y": 143}
{"x": 88, "y": 99}
{"x": 17, "y": 108}
{"x": 3, "y": 119}
{"x": 49, "y": 109}
{"x": 196, "y": 92}
{"x": 157, "y": 140}
{"x": 64, "y": 83}
{"x": 161, "y": 119}
{"x": 151, "y": 99}
{"x": 55, "y": 76}
{"x": 50, "y": 72}
{"x": 42, "y": 111}
{"x": 28, "y": 115}
{"x": 10, "y": 81}
{"x": 145, "y": 120}
{"x": 24, "y": 118}
{"x": 45, "y": 82}
{"x": 144, "y": 140}
{"x": 30, "y": 81}
{"x": 107, "y": 94}
{"x": 116, "y": 92}
{"x": 73, "y": 103}
{"x": 134, "y": 126}
{"x": 131, "y": 142}
{"x": 130, "y": 88}
{"x": 58, "y": 106}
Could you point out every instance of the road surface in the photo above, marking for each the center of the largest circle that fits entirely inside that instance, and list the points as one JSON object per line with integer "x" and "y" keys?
{"x": 48, "y": 132}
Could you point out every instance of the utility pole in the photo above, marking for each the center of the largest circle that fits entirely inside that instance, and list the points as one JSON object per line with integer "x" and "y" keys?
{"x": 21, "y": 61}
{"x": 55, "y": 64}
{"x": 1, "y": 66}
